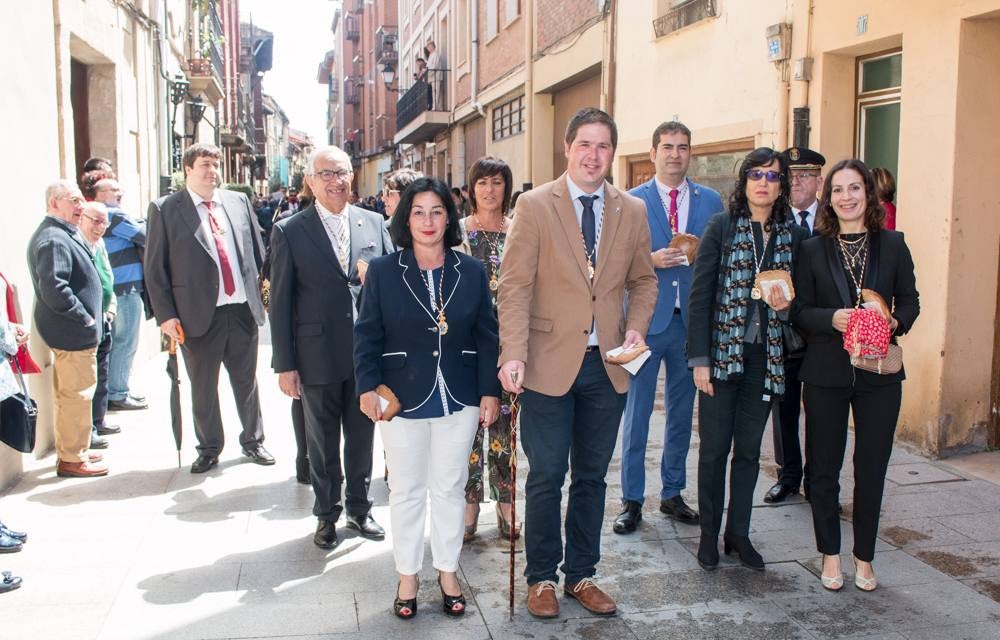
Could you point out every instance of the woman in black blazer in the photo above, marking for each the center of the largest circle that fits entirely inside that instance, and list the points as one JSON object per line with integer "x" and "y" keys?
{"x": 853, "y": 252}
{"x": 735, "y": 346}
{"x": 426, "y": 330}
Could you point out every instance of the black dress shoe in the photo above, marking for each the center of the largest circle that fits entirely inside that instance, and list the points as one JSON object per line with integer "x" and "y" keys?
{"x": 9, "y": 544}
{"x": 259, "y": 455}
{"x": 204, "y": 463}
{"x": 9, "y": 582}
{"x": 677, "y": 509}
{"x": 97, "y": 442}
{"x": 302, "y": 470}
{"x": 128, "y": 404}
{"x": 108, "y": 429}
{"x": 779, "y": 492}
{"x": 326, "y": 535}
{"x": 366, "y": 526}
{"x": 17, "y": 535}
{"x": 744, "y": 549}
{"x": 629, "y": 518}
{"x": 139, "y": 399}
{"x": 708, "y": 552}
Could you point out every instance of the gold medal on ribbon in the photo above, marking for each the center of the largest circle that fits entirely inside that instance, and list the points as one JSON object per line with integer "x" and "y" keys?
{"x": 755, "y": 293}
{"x": 442, "y": 323}
{"x": 494, "y": 283}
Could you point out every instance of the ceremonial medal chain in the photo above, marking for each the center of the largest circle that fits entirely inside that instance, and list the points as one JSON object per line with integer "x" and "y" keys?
{"x": 495, "y": 252}
{"x": 442, "y": 321}
{"x": 590, "y": 254}
{"x": 851, "y": 261}
{"x": 755, "y": 292}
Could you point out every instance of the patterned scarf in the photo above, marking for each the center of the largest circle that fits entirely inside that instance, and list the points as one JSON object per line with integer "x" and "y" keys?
{"x": 738, "y": 273}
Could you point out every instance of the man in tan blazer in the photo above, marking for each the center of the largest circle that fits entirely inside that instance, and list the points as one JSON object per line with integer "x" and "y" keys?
{"x": 578, "y": 248}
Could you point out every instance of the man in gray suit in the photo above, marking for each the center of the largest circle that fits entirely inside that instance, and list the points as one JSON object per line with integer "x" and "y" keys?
{"x": 203, "y": 253}
{"x": 315, "y": 284}
{"x": 70, "y": 318}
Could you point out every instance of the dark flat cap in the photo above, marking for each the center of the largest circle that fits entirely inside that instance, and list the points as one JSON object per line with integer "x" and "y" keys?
{"x": 803, "y": 158}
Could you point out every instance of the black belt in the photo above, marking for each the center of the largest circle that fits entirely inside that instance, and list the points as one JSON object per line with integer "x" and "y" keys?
{"x": 592, "y": 347}
{"x": 677, "y": 311}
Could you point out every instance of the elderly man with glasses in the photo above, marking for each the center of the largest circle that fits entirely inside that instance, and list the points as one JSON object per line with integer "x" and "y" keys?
{"x": 69, "y": 316}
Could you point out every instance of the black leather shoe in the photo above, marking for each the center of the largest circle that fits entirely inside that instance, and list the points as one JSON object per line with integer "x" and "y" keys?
{"x": 9, "y": 582}
{"x": 9, "y": 544}
{"x": 204, "y": 463}
{"x": 17, "y": 535}
{"x": 128, "y": 404}
{"x": 302, "y": 470}
{"x": 139, "y": 399}
{"x": 108, "y": 429}
{"x": 97, "y": 442}
{"x": 744, "y": 549}
{"x": 677, "y": 509}
{"x": 259, "y": 455}
{"x": 366, "y": 526}
{"x": 629, "y": 518}
{"x": 326, "y": 535}
{"x": 708, "y": 552}
{"x": 779, "y": 492}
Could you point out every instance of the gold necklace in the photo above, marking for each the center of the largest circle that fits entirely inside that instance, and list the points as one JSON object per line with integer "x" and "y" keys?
{"x": 442, "y": 321}
{"x": 495, "y": 252}
{"x": 852, "y": 250}
{"x": 755, "y": 292}
{"x": 850, "y": 264}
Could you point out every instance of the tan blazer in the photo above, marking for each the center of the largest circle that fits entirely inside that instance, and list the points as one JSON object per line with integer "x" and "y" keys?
{"x": 547, "y": 301}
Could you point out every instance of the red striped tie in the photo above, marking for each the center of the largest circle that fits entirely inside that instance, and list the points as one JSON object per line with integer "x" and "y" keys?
{"x": 228, "y": 284}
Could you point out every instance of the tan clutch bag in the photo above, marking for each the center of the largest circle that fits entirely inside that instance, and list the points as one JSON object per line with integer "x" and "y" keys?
{"x": 393, "y": 407}
{"x": 628, "y": 355}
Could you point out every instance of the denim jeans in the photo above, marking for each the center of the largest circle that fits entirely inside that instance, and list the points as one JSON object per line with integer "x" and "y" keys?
{"x": 576, "y": 432}
{"x": 125, "y": 340}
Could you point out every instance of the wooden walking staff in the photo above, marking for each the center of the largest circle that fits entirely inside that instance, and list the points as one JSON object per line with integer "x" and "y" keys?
{"x": 514, "y": 407}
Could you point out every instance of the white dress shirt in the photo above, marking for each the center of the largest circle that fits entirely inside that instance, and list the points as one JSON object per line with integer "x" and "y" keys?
{"x": 239, "y": 293}
{"x": 329, "y": 220}
{"x": 810, "y": 217}
{"x": 683, "y": 203}
{"x": 575, "y": 192}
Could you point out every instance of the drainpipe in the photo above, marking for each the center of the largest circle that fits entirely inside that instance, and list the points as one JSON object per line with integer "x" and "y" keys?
{"x": 474, "y": 94}
{"x": 529, "y": 88}
{"x": 608, "y": 59}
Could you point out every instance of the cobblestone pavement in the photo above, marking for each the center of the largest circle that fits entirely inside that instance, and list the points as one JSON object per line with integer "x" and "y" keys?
{"x": 154, "y": 552}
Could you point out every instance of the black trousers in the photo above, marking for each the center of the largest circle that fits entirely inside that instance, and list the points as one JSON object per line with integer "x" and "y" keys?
{"x": 99, "y": 405}
{"x": 331, "y": 410}
{"x": 299, "y": 429}
{"x": 231, "y": 340}
{"x": 785, "y": 430}
{"x": 733, "y": 418}
{"x": 876, "y": 409}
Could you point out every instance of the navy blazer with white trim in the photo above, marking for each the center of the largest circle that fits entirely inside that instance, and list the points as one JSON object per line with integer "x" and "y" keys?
{"x": 396, "y": 338}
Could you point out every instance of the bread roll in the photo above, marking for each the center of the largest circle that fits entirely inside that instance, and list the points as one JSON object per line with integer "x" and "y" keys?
{"x": 873, "y": 300}
{"x": 778, "y": 278}
{"x": 628, "y": 355}
{"x": 686, "y": 243}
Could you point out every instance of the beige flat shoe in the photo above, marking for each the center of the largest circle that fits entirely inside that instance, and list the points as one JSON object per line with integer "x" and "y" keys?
{"x": 865, "y": 584}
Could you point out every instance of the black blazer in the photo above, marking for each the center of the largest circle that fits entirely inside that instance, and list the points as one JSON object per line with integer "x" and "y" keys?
{"x": 705, "y": 283}
{"x": 312, "y": 324}
{"x": 821, "y": 288}
{"x": 181, "y": 276}
{"x": 396, "y": 341}
{"x": 68, "y": 309}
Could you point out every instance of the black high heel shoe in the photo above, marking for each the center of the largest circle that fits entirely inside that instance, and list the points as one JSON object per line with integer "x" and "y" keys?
{"x": 744, "y": 549}
{"x": 449, "y": 603}
{"x": 708, "y": 552}
{"x": 405, "y": 609}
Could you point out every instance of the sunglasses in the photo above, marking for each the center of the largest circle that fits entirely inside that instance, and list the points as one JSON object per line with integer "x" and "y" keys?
{"x": 770, "y": 176}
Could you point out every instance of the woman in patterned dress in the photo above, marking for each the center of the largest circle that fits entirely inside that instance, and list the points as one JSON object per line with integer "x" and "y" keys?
{"x": 484, "y": 234}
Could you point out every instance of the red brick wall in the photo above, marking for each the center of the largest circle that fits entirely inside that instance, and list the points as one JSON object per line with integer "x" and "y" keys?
{"x": 504, "y": 52}
{"x": 558, "y": 18}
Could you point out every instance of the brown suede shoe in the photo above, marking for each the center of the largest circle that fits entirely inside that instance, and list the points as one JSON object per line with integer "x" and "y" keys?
{"x": 542, "y": 601}
{"x": 591, "y": 597}
{"x": 80, "y": 469}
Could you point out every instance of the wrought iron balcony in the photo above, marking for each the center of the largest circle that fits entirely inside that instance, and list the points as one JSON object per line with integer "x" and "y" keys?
{"x": 424, "y": 109}
{"x": 386, "y": 41}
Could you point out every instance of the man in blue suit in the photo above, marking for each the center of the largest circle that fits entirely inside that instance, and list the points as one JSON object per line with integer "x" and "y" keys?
{"x": 674, "y": 204}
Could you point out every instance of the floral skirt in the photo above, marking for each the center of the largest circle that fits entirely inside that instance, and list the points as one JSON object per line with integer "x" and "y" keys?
{"x": 498, "y": 451}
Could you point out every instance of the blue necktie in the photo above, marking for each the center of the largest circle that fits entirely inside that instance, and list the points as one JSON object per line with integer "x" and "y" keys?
{"x": 589, "y": 227}
{"x": 805, "y": 216}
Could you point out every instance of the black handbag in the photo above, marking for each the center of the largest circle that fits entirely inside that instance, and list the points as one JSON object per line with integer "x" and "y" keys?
{"x": 18, "y": 415}
{"x": 794, "y": 344}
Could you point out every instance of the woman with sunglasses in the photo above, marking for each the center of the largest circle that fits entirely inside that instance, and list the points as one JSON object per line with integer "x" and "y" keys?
{"x": 735, "y": 345}
{"x": 852, "y": 253}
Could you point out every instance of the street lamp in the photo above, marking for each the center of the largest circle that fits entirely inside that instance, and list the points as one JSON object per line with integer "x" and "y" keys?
{"x": 388, "y": 75}
{"x": 178, "y": 92}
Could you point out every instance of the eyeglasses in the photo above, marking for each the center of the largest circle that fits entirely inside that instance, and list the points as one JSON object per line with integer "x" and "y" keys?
{"x": 387, "y": 191}
{"x": 327, "y": 175}
{"x": 97, "y": 221}
{"x": 76, "y": 200}
{"x": 804, "y": 175}
{"x": 757, "y": 174}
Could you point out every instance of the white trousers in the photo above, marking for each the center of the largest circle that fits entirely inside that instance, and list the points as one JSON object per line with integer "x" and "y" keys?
{"x": 424, "y": 456}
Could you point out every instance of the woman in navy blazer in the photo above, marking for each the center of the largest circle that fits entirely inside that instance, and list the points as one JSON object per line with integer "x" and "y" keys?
{"x": 426, "y": 330}
{"x": 852, "y": 252}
